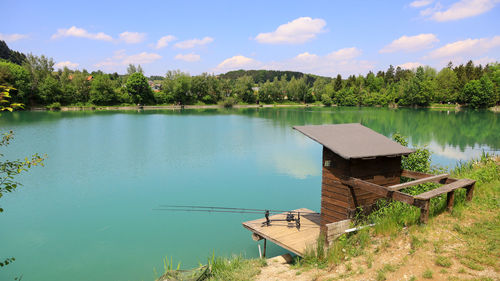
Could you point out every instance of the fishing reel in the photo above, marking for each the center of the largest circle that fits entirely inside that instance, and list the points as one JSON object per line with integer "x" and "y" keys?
{"x": 290, "y": 218}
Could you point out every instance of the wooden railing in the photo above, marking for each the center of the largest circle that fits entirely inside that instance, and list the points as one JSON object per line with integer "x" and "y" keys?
{"x": 421, "y": 200}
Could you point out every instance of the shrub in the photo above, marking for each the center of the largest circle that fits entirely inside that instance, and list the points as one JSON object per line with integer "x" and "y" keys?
{"x": 54, "y": 106}
{"x": 229, "y": 102}
{"x": 326, "y": 100}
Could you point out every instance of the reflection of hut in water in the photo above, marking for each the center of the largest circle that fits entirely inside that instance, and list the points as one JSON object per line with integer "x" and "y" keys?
{"x": 359, "y": 167}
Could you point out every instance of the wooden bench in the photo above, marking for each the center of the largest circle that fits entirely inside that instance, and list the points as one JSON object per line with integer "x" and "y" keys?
{"x": 422, "y": 200}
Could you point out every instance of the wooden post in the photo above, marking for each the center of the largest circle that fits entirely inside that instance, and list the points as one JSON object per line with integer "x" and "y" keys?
{"x": 424, "y": 211}
{"x": 264, "y": 251}
{"x": 469, "y": 193}
{"x": 450, "y": 198}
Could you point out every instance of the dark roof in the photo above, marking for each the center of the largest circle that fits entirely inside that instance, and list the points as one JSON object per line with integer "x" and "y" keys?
{"x": 353, "y": 140}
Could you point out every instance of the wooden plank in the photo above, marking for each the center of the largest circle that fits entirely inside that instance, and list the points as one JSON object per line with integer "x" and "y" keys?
{"x": 338, "y": 209}
{"x": 445, "y": 189}
{"x": 419, "y": 181}
{"x": 403, "y": 197}
{"x": 374, "y": 188}
{"x": 290, "y": 238}
{"x": 450, "y": 198}
{"x": 424, "y": 212}
{"x": 335, "y": 191}
{"x": 419, "y": 175}
{"x": 470, "y": 192}
{"x": 333, "y": 214}
{"x": 335, "y": 201}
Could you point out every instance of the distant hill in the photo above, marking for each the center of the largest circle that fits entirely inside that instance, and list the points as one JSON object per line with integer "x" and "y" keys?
{"x": 261, "y": 76}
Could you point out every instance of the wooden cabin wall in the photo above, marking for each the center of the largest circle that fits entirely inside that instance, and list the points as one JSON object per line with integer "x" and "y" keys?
{"x": 337, "y": 202}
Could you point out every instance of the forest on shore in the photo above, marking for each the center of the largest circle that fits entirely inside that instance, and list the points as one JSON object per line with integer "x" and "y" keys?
{"x": 33, "y": 81}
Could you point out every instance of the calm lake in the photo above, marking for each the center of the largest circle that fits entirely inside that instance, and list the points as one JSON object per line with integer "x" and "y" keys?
{"x": 88, "y": 214}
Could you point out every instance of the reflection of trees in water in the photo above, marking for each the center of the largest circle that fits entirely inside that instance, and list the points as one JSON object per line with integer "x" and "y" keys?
{"x": 456, "y": 128}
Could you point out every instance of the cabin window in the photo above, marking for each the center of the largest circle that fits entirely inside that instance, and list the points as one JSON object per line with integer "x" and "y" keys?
{"x": 328, "y": 163}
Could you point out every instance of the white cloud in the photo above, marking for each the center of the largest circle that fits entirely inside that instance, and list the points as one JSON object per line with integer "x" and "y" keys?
{"x": 460, "y": 10}
{"x": 12, "y": 37}
{"x": 163, "y": 42}
{"x": 132, "y": 37}
{"x": 120, "y": 58}
{"x": 237, "y": 62}
{"x": 188, "y": 57}
{"x": 188, "y": 44}
{"x": 68, "y": 64}
{"x": 345, "y": 54}
{"x": 468, "y": 47}
{"x": 420, "y": 3}
{"x": 342, "y": 61}
{"x": 80, "y": 32}
{"x": 410, "y": 65}
{"x": 411, "y": 43}
{"x": 297, "y": 31}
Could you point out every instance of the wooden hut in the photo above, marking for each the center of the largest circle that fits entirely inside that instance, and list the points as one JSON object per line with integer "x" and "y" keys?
{"x": 359, "y": 167}
{"x": 353, "y": 150}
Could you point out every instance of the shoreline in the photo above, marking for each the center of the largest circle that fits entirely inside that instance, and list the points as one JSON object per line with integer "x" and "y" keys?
{"x": 216, "y": 106}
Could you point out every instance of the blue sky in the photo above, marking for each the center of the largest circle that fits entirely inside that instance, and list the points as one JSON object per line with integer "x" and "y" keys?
{"x": 319, "y": 37}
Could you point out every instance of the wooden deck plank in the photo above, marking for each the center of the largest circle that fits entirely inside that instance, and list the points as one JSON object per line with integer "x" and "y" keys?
{"x": 293, "y": 239}
{"x": 438, "y": 178}
{"x": 445, "y": 189}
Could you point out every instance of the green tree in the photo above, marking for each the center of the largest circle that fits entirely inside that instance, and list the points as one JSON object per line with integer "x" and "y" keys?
{"x": 446, "y": 86}
{"x": 242, "y": 88}
{"x": 479, "y": 93}
{"x": 182, "y": 89}
{"x": 139, "y": 89}
{"x": 102, "y": 90}
{"x": 338, "y": 83}
{"x": 38, "y": 68}
{"x": 50, "y": 90}
{"x": 17, "y": 77}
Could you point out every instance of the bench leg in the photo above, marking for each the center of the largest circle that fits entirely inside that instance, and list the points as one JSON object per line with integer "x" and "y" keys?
{"x": 470, "y": 192}
{"x": 424, "y": 212}
{"x": 450, "y": 198}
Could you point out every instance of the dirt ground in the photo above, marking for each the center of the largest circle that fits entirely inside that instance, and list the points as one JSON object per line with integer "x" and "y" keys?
{"x": 413, "y": 254}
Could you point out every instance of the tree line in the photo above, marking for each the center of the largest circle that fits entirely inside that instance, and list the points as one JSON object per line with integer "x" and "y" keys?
{"x": 36, "y": 82}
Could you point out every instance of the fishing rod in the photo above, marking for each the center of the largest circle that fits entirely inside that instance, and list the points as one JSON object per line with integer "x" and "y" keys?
{"x": 232, "y": 208}
{"x": 291, "y": 216}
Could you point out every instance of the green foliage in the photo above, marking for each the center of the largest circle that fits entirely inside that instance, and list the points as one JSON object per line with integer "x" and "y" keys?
{"x": 479, "y": 93}
{"x": 5, "y": 103}
{"x": 443, "y": 261}
{"x": 54, "y": 106}
{"x": 37, "y": 83}
{"x": 10, "y": 55}
{"x": 243, "y": 89}
{"x": 427, "y": 274}
{"x": 419, "y": 161}
{"x": 17, "y": 77}
{"x": 229, "y": 102}
{"x": 139, "y": 90}
{"x": 234, "y": 268}
{"x": 326, "y": 100}
{"x": 102, "y": 90}
{"x": 11, "y": 168}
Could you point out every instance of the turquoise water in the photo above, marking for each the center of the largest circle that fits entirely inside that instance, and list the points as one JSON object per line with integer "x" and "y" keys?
{"x": 87, "y": 215}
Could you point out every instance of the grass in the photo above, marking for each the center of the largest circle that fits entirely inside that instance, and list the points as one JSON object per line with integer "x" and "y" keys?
{"x": 443, "y": 261}
{"x": 427, "y": 274}
{"x": 480, "y": 237}
{"x": 473, "y": 225}
{"x": 234, "y": 268}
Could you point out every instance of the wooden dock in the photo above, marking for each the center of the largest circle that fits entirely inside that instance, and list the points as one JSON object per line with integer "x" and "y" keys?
{"x": 287, "y": 235}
